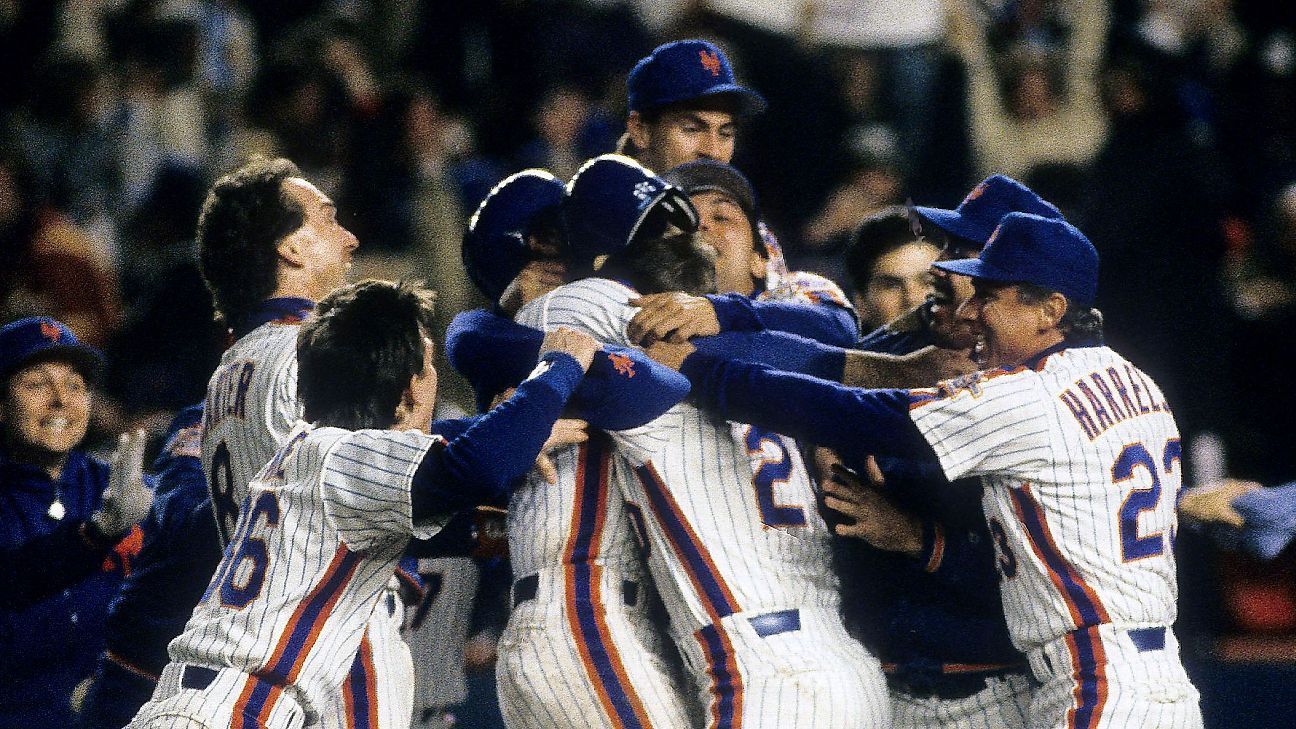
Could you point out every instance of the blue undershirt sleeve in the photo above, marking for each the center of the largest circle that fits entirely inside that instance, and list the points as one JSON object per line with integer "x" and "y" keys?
{"x": 848, "y": 420}
{"x": 485, "y": 461}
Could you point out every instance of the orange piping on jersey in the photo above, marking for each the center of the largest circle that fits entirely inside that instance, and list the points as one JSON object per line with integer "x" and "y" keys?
{"x": 1059, "y": 580}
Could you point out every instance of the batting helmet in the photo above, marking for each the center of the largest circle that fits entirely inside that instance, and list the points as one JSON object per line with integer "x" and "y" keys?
{"x": 495, "y": 245}
{"x": 613, "y": 199}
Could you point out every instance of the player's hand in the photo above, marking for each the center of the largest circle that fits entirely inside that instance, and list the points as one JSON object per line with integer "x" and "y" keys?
{"x": 127, "y": 499}
{"x": 876, "y": 520}
{"x": 932, "y": 364}
{"x": 566, "y": 431}
{"x": 479, "y": 653}
{"x": 1213, "y": 503}
{"x": 579, "y": 345}
{"x": 536, "y": 279}
{"x": 671, "y": 354}
{"x": 673, "y": 317}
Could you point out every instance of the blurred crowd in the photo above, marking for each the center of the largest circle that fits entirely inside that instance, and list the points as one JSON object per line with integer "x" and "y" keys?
{"x": 1165, "y": 129}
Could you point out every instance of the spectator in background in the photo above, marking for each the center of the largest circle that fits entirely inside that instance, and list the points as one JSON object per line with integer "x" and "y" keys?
{"x": 896, "y": 39}
{"x": 569, "y": 130}
{"x": 1046, "y": 107}
{"x": 889, "y": 267}
{"x": 1261, "y": 287}
{"x": 409, "y": 191}
{"x": 67, "y": 522}
{"x": 51, "y": 263}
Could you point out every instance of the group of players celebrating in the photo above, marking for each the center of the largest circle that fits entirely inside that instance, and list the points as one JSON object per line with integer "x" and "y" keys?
{"x": 725, "y": 507}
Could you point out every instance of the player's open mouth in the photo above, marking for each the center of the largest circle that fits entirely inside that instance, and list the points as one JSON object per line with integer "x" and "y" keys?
{"x": 57, "y": 423}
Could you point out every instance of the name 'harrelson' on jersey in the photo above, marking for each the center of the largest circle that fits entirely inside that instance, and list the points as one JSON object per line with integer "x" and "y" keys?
{"x": 1122, "y": 402}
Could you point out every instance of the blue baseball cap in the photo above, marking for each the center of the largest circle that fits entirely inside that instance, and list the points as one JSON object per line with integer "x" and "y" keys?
{"x": 42, "y": 338}
{"x": 1032, "y": 249}
{"x": 612, "y": 200}
{"x": 980, "y": 212}
{"x": 495, "y": 248}
{"x": 685, "y": 70}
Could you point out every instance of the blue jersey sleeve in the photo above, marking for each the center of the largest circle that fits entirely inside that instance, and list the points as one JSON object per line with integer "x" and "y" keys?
{"x": 623, "y": 388}
{"x": 829, "y": 324}
{"x": 849, "y": 420}
{"x": 781, "y": 350}
{"x": 485, "y": 461}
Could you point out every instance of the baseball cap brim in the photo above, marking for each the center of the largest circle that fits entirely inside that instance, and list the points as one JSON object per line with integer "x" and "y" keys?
{"x": 976, "y": 268}
{"x": 748, "y": 102}
{"x": 85, "y": 359}
{"x": 952, "y": 222}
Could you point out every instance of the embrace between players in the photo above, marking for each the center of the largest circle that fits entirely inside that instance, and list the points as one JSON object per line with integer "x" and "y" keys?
{"x": 1051, "y": 609}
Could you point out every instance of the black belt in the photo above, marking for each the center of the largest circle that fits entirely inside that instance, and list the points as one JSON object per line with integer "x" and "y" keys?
{"x": 196, "y": 677}
{"x": 526, "y": 587}
{"x": 783, "y": 621}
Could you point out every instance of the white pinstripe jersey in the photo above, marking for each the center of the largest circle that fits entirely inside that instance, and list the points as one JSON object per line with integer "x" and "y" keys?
{"x": 251, "y": 407}
{"x": 324, "y": 524}
{"x": 1080, "y": 459}
{"x": 730, "y": 508}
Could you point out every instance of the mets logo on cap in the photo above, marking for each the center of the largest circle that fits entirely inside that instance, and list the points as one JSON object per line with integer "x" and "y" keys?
{"x": 976, "y": 193}
{"x": 50, "y": 331}
{"x": 710, "y": 61}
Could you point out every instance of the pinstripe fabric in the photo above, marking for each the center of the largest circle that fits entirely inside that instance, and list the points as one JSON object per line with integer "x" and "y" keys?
{"x": 576, "y": 654}
{"x": 250, "y": 408}
{"x": 342, "y": 520}
{"x": 437, "y": 629}
{"x": 1003, "y": 704}
{"x": 1079, "y": 456}
{"x": 724, "y": 545}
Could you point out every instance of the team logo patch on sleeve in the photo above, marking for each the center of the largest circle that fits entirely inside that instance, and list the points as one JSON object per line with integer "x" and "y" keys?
{"x": 970, "y": 383}
{"x": 622, "y": 363}
{"x": 187, "y": 442}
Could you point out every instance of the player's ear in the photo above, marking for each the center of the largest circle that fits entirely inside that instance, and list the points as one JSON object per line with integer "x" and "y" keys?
{"x": 1051, "y": 310}
{"x": 637, "y": 130}
{"x": 756, "y": 267}
{"x": 290, "y": 250}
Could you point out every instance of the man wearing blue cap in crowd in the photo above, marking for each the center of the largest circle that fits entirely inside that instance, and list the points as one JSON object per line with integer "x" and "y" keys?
{"x": 67, "y": 522}
{"x": 1078, "y": 454}
{"x": 685, "y": 104}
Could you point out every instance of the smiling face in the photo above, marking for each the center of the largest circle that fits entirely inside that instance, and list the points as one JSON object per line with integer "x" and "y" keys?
{"x": 677, "y": 136}
{"x": 726, "y": 228}
{"x": 1011, "y": 330}
{"x": 322, "y": 247}
{"x": 45, "y": 412}
{"x": 899, "y": 280}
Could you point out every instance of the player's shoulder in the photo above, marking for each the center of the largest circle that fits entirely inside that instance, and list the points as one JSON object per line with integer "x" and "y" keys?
{"x": 807, "y": 287}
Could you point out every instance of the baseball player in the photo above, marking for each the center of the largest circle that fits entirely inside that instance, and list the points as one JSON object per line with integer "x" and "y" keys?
{"x": 1080, "y": 460}
{"x": 579, "y": 648}
{"x": 734, "y": 544}
{"x": 328, "y": 517}
{"x": 270, "y": 246}
{"x": 68, "y": 522}
{"x": 685, "y": 104}
{"x": 940, "y": 630}
{"x": 179, "y": 553}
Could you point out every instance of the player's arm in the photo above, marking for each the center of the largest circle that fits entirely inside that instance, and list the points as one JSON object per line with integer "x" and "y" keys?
{"x": 488, "y": 458}
{"x": 791, "y": 353}
{"x": 624, "y": 388}
{"x": 859, "y": 507}
{"x": 848, "y": 420}
{"x": 677, "y": 317}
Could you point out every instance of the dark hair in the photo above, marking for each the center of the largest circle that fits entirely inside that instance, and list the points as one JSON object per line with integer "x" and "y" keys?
{"x": 1080, "y": 326}
{"x": 674, "y": 262}
{"x": 877, "y": 235}
{"x": 357, "y": 353}
{"x": 246, "y": 214}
